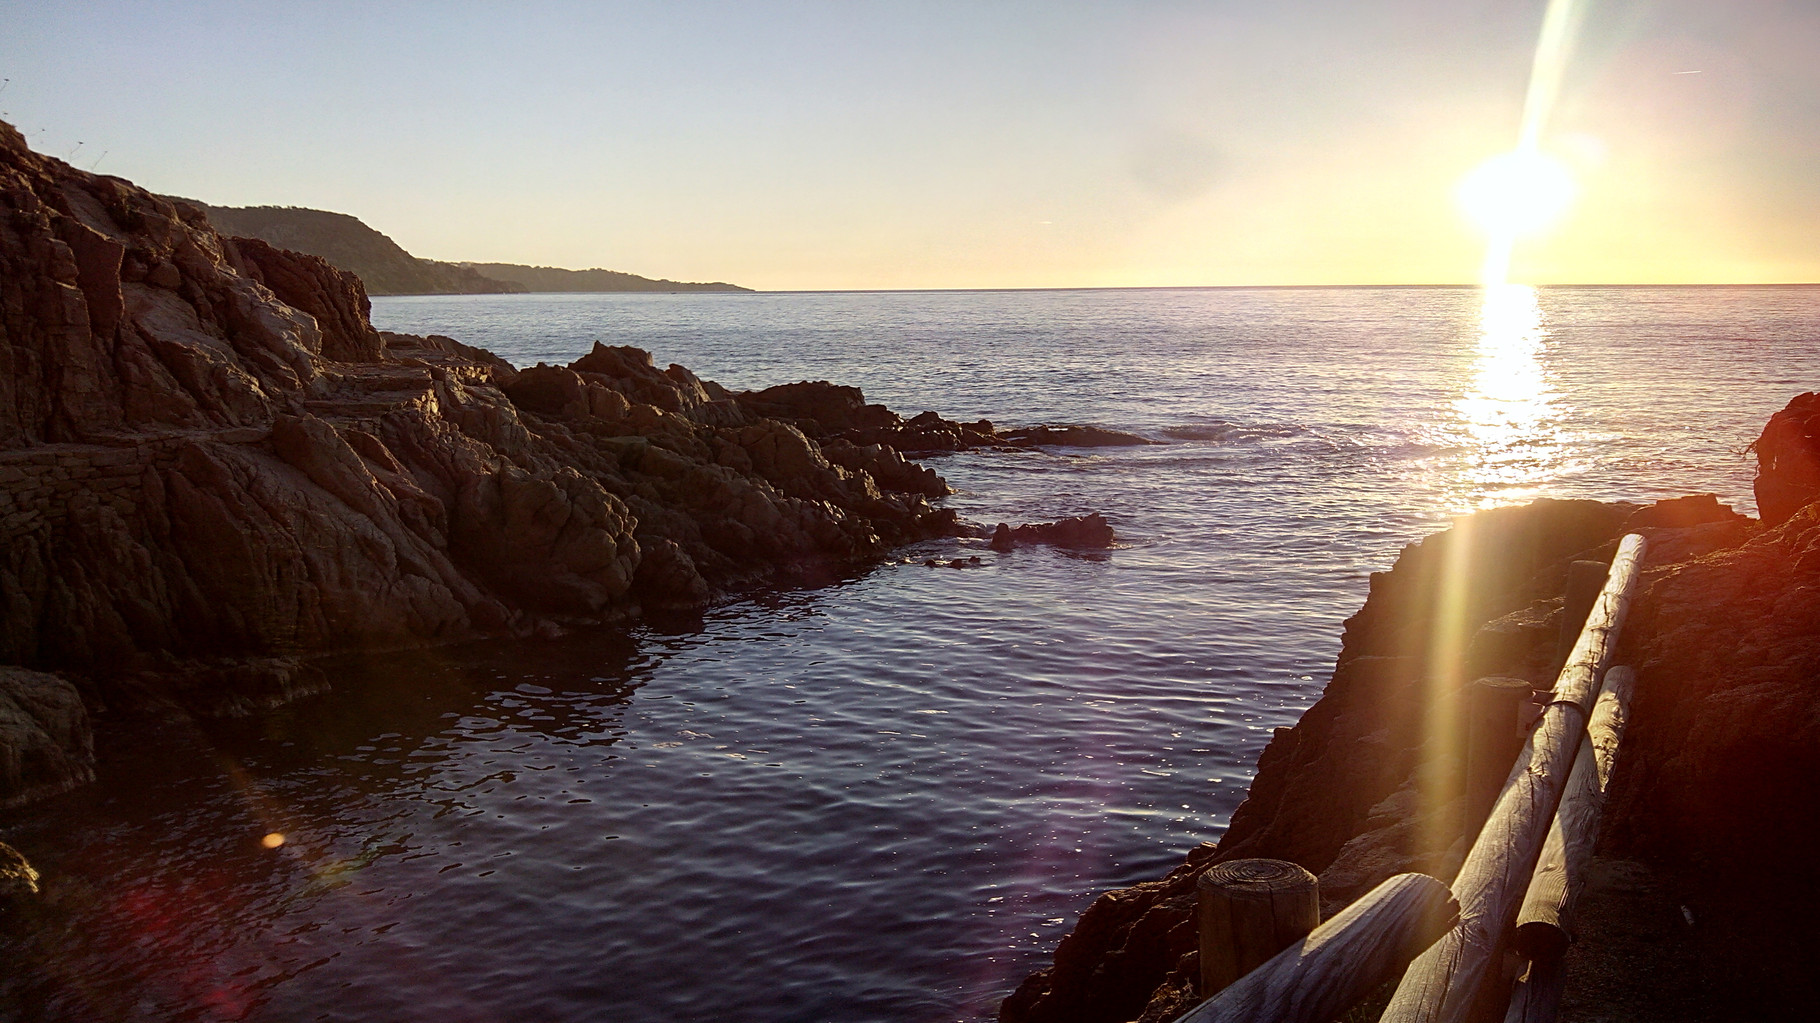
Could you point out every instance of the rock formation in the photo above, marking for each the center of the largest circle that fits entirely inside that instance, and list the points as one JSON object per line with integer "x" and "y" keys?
{"x": 387, "y": 269}
{"x": 1719, "y": 779}
{"x": 46, "y": 745}
{"x": 1719, "y": 768}
{"x": 382, "y": 265}
{"x": 550, "y": 278}
{"x": 1091, "y": 530}
{"x": 211, "y": 466}
{"x": 1074, "y": 437}
{"x": 1788, "y": 456}
{"x": 830, "y": 411}
{"x": 18, "y": 878}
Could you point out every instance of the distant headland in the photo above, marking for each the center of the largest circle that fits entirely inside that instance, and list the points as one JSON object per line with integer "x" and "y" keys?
{"x": 387, "y": 269}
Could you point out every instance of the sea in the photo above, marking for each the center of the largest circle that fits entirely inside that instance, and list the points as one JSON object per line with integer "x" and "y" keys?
{"x": 888, "y": 798}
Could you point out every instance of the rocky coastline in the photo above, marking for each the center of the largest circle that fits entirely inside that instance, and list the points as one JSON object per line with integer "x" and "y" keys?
{"x": 1719, "y": 773}
{"x": 213, "y": 470}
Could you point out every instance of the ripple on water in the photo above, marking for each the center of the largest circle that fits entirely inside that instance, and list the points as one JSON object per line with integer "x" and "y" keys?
{"x": 885, "y": 799}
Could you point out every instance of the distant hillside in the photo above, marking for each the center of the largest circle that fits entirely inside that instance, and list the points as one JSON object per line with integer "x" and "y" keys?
{"x": 380, "y": 263}
{"x": 387, "y": 269}
{"x": 549, "y": 278}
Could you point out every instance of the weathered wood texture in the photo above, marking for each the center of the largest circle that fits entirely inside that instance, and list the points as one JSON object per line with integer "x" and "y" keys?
{"x": 1249, "y": 911}
{"x": 1342, "y": 961}
{"x": 1545, "y": 921}
{"x": 1585, "y": 581}
{"x": 1537, "y": 997}
{"x": 1494, "y": 737}
{"x": 1444, "y": 983}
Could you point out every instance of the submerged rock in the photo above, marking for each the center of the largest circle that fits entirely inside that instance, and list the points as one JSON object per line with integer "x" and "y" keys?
{"x": 1090, "y": 530}
{"x": 1074, "y": 436}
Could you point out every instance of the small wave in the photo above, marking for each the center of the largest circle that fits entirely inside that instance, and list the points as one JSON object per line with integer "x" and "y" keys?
{"x": 1392, "y": 446}
{"x": 1234, "y": 432}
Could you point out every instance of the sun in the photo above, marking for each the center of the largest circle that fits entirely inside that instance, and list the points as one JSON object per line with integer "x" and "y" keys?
{"x": 1516, "y": 194}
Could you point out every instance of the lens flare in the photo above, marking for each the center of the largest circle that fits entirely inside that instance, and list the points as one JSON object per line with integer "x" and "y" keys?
{"x": 1523, "y": 192}
{"x": 1517, "y": 194}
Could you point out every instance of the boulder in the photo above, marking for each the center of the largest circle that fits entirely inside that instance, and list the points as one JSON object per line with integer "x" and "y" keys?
{"x": 668, "y": 579}
{"x": 818, "y": 407}
{"x": 631, "y": 372}
{"x": 1788, "y": 459}
{"x": 336, "y": 298}
{"x": 551, "y": 390}
{"x": 46, "y": 745}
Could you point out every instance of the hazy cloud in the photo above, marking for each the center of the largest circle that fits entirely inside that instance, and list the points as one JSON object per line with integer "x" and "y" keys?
{"x": 1177, "y": 167}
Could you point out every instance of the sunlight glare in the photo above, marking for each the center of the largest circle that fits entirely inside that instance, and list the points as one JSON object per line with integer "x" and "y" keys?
{"x": 1509, "y": 410}
{"x": 1517, "y": 194}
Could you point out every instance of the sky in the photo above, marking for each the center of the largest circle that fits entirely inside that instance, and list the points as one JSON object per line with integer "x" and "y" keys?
{"x": 957, "y": 145}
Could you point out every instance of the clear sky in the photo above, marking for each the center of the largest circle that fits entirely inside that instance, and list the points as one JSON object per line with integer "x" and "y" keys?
{"x": 979, "y": 144}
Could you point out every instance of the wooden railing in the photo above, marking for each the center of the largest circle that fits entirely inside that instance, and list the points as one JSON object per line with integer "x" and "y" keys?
{"x": 1343, "y": 960}
{"x": 1531, "y": 854}
{"x": 1545, "y": 924}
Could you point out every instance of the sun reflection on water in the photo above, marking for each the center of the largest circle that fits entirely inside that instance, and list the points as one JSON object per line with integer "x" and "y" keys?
{"x": 1510, "y": 411}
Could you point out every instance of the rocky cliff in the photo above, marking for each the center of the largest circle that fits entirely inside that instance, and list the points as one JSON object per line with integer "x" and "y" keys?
{"x": 212, "y": 466}
{"x": 550, "y": 278}
{"x": 1719, "y": 773}
{"x": 382, "y": 265}
{"x": 385, "y": 268}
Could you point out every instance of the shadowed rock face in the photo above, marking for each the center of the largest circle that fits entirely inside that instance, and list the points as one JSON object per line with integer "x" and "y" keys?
{"x": 1788, "y": 459}
{"x": 1719, "y": 778}
{"x": 1366, "y": 784}
{"x": 211, "y": 463}
{"x": 46, "y": 745}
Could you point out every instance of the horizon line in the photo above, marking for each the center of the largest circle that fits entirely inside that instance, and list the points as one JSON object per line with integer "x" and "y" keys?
{"x": 742, "y": 290}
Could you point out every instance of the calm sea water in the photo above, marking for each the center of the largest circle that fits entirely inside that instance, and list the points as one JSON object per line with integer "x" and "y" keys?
{"x": 886, "y": 799}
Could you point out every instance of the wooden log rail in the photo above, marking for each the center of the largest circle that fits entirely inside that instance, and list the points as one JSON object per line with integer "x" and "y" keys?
{"x": 1316, "y": 978}
{"x": 1445, "y": 983}
{"x": 1545, "y": 923}
{"x": 1341, "y": 961}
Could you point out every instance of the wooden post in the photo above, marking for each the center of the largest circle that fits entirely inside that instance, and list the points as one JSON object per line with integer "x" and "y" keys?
{"x": 1444, "y": 983}
{"x": 1249, "y": 911}
{"x": 1537, "y": 997}
{"x": 1342, "y": 961}
{"x": 1494, "y": 737}
{"x": 1585, "y": 579}
{"x": 1545, "y": 922}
